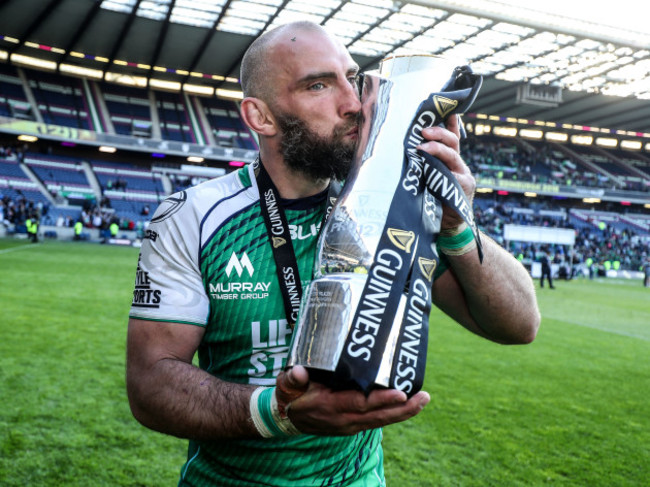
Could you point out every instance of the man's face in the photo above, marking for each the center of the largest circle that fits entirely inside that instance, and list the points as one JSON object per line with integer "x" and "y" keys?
{"x": 315, "y": 103}
{"x": 314, "y": 155}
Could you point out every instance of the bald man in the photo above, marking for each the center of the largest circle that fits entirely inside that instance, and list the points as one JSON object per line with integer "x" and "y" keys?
{"x": 208, "y": 281}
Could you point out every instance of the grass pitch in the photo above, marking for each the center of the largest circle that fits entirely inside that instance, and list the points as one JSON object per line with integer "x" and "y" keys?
{"x": 571, "y": 409}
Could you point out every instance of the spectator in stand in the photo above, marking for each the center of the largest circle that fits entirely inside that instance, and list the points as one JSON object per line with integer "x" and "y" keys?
{"x": 97, "y": 219}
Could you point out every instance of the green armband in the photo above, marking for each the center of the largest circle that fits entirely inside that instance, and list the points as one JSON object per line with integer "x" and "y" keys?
{"x": 456, "y": 241}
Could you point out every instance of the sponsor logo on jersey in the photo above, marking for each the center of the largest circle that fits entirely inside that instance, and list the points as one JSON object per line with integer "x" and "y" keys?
{"x": 239, "y": 266}
{"x": 301, "y": 232}
{"x": 144, "y": 296}
{"x": 270, "y": 341}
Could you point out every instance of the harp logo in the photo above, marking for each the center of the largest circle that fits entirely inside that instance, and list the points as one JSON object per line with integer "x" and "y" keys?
{"x": 401, "y": 239}
{"x": 277, "y": 242}
{"x": 444, "y": 105}
{"x": 427, "y": 267}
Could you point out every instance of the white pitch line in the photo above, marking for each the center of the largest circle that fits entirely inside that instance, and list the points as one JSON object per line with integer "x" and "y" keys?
{"x": 20, "y": 247}
{"x": 606, "y": 330}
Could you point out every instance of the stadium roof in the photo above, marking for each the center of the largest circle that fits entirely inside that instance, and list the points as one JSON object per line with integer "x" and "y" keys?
{"x": 567, "y": 67}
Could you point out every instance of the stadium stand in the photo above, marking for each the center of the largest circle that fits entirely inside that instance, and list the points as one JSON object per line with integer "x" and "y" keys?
{"x": 227, "y": 126}
{"x": 129, "y": 190}
{"x": 13, "y": 101}
{"x": 174, "y": 120}
{"x": 129, "y": 109}
{"x": 603, "y": 235}
{"x": 60, "y": 99}
{"x": 64, "y": 188}
{"x": 543, "y": 162}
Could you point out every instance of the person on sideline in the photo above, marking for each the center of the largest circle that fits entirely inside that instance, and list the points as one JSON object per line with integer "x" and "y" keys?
{"x": 546, "y": 270}
{"x": 206, "y": 281}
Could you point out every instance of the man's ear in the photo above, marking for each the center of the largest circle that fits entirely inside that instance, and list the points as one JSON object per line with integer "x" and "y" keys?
{"x": 258, "y": 117}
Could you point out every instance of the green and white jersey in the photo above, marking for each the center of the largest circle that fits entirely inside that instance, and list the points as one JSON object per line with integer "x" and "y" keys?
{"x": 207, "y": 261}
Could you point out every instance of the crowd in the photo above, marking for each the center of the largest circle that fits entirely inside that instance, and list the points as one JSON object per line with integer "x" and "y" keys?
{"x": 486, "y": 158}
{"x": 18, "y": 213}
{"x": 624, "y": 249}
{"x": 14, "y": 211}
{"x": 598, "y": 246}
{"x": 14, "y": 152}
{"x": 505, "y": 159}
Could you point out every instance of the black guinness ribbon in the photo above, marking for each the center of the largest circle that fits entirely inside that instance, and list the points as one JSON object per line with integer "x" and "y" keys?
{"x": 410, "y": 357}
{"x": 279, "y": 235}
{"x": 406, "y": 253}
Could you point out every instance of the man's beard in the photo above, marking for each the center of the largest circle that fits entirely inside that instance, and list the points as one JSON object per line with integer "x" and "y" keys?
{"x": 313, "y": 155}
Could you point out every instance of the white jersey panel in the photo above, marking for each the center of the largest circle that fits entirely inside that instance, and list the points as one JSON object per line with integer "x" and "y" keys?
{"x": 169, "y": 285}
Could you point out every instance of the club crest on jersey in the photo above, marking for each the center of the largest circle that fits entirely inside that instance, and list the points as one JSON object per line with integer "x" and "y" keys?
{"x": 169, "y": 206}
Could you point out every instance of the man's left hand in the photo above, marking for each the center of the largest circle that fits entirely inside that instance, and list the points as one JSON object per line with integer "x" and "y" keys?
{"x": 444, "y": 143}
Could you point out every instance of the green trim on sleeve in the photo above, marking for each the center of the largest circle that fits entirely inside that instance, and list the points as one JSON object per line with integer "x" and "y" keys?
{"x": 179, "y": 322}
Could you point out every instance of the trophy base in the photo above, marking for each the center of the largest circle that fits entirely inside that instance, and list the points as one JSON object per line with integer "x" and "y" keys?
{"x": 326, "y": 317}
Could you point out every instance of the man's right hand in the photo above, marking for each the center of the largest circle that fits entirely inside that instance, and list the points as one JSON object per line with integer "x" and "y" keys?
{"x": 316, "y": 409}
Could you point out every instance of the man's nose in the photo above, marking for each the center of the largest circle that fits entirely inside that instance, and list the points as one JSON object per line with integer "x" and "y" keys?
{"x": 351, "y": 102}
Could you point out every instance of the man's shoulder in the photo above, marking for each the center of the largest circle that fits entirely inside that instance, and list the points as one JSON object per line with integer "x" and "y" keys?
{"x": 222, "y": 187}
{"x": 203, "y": 197}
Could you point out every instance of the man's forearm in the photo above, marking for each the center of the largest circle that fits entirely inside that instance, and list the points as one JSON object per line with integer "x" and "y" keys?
{"x": 176, "y": 398}
{"x": 499, "y": 293}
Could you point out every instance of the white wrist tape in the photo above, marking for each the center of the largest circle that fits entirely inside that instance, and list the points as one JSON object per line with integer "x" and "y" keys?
{"x": 256, "y": 416}
{"x": 266, "y": 415}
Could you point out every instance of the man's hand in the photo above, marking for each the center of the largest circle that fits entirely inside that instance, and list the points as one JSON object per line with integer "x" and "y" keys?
{"x": 316, "y": 409}
{"x": 444, "y": 143}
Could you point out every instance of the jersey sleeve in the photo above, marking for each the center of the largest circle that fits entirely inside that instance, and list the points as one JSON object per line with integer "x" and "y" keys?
{"x": 168, "y": 284}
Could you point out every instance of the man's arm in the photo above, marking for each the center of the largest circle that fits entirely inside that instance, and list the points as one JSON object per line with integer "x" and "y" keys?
{"x": 495, "y": 299}
{"x": 168, "y": 394}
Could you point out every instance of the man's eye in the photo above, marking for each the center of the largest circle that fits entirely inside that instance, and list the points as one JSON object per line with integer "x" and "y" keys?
{"x": 317, "y": 86}
{"x": 357, "y": 82}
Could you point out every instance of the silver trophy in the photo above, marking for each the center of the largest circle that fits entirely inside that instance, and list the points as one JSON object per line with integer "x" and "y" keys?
{"x": 349, "y": 240}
